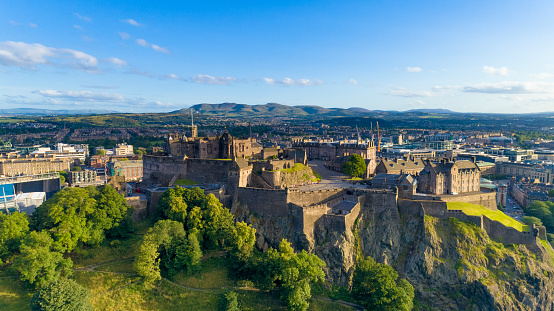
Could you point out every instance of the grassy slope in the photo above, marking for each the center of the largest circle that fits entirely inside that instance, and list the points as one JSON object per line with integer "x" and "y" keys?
{"x": 112, "y": 291}
{"x": 476, "y": 210}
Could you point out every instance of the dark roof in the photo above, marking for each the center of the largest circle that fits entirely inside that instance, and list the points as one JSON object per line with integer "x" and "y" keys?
{"x": 242, "y": 163}
{"x": 400, "y": 164}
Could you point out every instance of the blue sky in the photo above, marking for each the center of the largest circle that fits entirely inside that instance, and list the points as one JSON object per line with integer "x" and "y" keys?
{"x": 160, "y": 56}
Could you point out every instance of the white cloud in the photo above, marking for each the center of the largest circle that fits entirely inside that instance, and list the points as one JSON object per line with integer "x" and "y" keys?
{"x": 87, "y": 38}
{"x": 162, "y": 104}
{"x": 83, "y": 18}
{"x": 352, "y": 81}
{"x": 172, "y": 76}
{"x": 414, "y": 69}
{"x": 408, "y": 93}
{"x": 291, "y": 82}
{"x": 124, "y": 35}
{"x": 28, "y": 56}
{"x": 131, "y": 22}
{"x": 116, "y": 61}
{"x": 80, "y": 95}
{"x": 542, "y": 75}
{"x": 32, "y": 25}
{"x": 77, "y": 27}
{"x": 156, "y": 48}
{"x": 14, "y": 23}
{"x": 439, "y": 88}
{"x": 206, "y": 79}
{"x": 105, "y": 87}
{"x": 510, "y": 87}
{"x": 493, "y": 71}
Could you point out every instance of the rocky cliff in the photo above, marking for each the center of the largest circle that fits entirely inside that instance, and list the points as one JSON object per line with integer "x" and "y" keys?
{"x": 451, "y": 264}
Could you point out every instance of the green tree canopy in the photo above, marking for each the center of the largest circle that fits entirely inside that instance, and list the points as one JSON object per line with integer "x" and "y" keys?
{"x": 13, "y": 228}
{"x": 76, "y": 169}
{"x": 65, "y": 217}
{"x": 551, "y": 193}
{"x": 62, "y": 294}
{"x": 530, "y": 220}
{"x": 355, "y": 166}
{"x": 377, "y": 287}
{"x": 38, "y": 262}
{"x": 291, "y": 272}
{"x": 110, "y": 215}
{"x": 159, "y": 247}
{"x": 543, "y": 211}
{"x": 101, "y": 152}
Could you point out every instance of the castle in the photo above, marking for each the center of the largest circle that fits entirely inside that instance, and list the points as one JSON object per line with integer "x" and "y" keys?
{"x": 222, "y": 147}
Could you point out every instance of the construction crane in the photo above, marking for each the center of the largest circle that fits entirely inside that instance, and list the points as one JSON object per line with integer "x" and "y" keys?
{"x": 378, "y": 139}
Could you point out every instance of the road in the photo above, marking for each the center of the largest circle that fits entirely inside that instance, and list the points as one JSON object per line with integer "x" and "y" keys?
{"x": 329, "y": 179}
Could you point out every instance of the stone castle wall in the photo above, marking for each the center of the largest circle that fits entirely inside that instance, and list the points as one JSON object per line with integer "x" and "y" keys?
{"x": 487, "y": 199}
{"x": 268, "y": 202}
{"x": 307, "y": 198}
{"x": 496, "y": 230}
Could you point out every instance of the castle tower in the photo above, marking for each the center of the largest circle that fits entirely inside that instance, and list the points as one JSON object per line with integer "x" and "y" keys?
{"x": 193, "y": 128}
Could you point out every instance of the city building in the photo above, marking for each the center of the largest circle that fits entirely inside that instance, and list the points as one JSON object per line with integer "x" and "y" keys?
{"x": 400, "y": 166}
{"x": 131, "y": 169}
{"x": 33, "y": 164}
{"x": 449, "y": 177}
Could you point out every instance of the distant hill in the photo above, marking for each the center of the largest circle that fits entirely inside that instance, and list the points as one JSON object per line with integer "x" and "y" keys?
{"x": 443, "y": 111}
{"x": 270, "y": 109}
{"x": 47, "y": 112}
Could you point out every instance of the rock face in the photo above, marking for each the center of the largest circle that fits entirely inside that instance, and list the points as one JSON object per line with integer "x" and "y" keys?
{"x": 452, "y": 265}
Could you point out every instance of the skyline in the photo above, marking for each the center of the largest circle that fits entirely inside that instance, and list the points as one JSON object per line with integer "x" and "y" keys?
{"x": 159, "y": 57}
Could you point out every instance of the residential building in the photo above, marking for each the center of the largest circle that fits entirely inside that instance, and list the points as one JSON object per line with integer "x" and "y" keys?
{"x": 33, "y": 164}
{"x": 131, "y": 169}
{"x": 400, "y": 166}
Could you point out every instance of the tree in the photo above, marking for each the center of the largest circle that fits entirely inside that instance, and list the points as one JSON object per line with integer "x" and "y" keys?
{"x": 377, "y": 287}
{"x": 500, "y": 208}
{"x": 38, "y": 262}
{"x": 218, "y": 223}
{"x": 355, "y": 166}
{"x": 292, "y": 273}
{"x": 101, "y": 152}
{"x": 111, "y": 215}
{"x": 62, "y": 294}
{"x": 159, "y": 248}
{"x": 188, "y": 255}
{"x": 231, "y": 301}
{"x": 76, "y": 169}
{"x": 530, "y": 220}
{"x": 551, "y": 193}
{"x": 244, "y": 239}
{"x": 13, "y": 228}
{"x": 65, "y": 217}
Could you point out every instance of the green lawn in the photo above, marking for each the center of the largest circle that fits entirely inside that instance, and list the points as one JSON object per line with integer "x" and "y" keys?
{"x": 185, "y": 182}
{"x": 476, "y": 210}
{"x": 13, "y": 295}
{"x": 212, "y": 273}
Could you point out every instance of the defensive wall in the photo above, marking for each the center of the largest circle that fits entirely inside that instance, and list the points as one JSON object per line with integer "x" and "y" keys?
{"x": 312, "y": 209}
{"x": 495, "y": 229}
{"x": 140, "y": 207}
{"x": 486, "y": 199}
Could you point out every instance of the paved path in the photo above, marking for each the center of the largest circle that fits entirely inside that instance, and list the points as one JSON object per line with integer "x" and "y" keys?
{"x": 329, "y": 179}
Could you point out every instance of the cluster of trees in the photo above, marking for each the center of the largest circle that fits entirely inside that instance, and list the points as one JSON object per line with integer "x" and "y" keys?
{"x": 39, "y": 247}
{"x": 192, "y": 223}
{"x": 355, "y": 166}
{"x": 544, "y": 211}
{"x": 377, "y": 287}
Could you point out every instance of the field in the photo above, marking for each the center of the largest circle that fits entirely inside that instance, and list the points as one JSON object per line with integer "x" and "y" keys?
{"x": 476, "y": 210}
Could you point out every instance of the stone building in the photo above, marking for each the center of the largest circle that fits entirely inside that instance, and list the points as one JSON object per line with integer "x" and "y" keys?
{"x": 449, "y": 177}
{"x": 33, "y": 164}
{"x": 400, "y": 166}
{"x": 222, "y": 147}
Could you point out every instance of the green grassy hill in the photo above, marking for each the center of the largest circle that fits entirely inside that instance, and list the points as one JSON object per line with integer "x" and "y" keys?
{"x": 476, "y": 210}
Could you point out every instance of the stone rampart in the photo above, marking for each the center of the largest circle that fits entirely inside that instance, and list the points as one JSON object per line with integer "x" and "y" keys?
{"x": 307, "y": 198}
{"x": 486, "y": 199}
{"x": 495, "y": 229}
{"x": 270, "y": 202}
{"x": 160, "y": 169}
